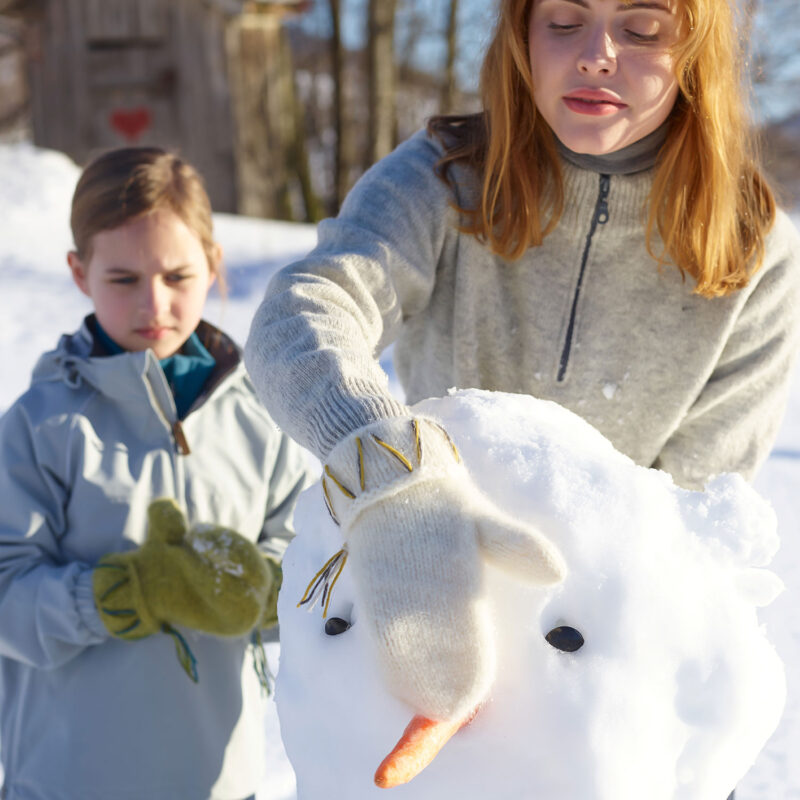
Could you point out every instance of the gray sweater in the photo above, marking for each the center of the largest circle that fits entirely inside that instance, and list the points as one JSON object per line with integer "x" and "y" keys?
{"x": 676, "y": 381}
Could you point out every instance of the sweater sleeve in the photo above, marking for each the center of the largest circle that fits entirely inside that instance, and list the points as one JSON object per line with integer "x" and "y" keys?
{"x": 47, "y": 612}
{"x": 314, "y": 343}
{"x": 733, "y": 422}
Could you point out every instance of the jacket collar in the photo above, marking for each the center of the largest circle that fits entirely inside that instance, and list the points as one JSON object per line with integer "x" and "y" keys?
{"x": 79, "y": 357}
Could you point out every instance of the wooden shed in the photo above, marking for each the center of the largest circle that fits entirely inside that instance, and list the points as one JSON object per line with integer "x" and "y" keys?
{"x": 182, "y": 74}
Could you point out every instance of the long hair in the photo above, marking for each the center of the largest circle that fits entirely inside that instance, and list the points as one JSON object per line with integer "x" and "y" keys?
{"x": 130, "y": 182}
{"x": 709, "y": 203}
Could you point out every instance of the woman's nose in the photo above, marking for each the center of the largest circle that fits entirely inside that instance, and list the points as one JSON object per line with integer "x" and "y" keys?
{"x": 598, "y": 56}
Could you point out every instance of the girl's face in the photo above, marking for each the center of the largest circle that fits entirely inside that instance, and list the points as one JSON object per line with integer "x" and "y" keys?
{"x": 148, "y": 280}
{"x": 603, "y": 73}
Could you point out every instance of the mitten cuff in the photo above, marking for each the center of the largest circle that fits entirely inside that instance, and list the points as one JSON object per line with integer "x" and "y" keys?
{"x": 118, "y": 597}
{"x": 384, "y": 458}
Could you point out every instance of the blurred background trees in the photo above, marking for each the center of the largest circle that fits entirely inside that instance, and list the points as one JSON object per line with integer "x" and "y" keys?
{"x": 282, "y": 104}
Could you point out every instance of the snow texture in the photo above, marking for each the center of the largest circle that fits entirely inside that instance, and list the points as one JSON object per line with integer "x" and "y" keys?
{"x": 676, "y": 688}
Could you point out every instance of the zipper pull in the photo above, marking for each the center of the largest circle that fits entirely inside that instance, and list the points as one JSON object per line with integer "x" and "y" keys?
{"x": 181, "y": 443}
{"x": 601, "y": 211}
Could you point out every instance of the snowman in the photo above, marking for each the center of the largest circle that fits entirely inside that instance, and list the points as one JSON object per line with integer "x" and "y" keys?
{"x": 643, "y": 673}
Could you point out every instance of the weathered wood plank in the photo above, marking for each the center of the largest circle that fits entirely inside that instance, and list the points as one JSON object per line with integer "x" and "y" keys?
{"x": 105, "y": 73}
{"x": 110, "y": 20}
{"x": 153, "y": 19}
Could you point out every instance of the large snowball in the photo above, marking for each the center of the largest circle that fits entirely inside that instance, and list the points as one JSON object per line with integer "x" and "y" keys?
{"x": 675, "y": 690}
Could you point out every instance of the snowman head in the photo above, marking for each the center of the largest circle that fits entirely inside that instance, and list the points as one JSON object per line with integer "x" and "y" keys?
{"x": 645, "y": 673}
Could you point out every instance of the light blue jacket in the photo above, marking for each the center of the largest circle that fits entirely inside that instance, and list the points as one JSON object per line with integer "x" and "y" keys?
{"x": 82, "y": 453}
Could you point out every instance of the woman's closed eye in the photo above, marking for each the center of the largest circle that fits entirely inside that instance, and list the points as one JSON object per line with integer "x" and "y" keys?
{"x": 645, "y": 28}
{"x": 642, "y": 37}
{"x": 557, "y": 28}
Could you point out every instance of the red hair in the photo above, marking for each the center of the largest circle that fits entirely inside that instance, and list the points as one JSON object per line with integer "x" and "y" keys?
{"x": 710, "y": 204}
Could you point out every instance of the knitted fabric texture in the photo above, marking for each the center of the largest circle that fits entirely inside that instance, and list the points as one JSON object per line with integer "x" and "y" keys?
{"x": 417, "y": 531}
{"x": 269, "y": 616}
{"x": 677, "y": 381}
{"x": 209, "y": 579}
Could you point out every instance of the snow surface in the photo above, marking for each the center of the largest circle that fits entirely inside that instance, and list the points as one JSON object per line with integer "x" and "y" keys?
{"x": 38, "y": 302}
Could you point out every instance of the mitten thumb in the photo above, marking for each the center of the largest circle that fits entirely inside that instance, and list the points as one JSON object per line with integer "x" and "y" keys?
{"x": 518, "y": 548}
{"x": 166, "y": 522}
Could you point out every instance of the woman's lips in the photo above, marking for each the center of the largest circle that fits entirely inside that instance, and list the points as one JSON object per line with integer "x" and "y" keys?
{"x": 593, "y": 103}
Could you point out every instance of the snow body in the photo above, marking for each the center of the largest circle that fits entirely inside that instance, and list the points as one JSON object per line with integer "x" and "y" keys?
{"x": 675, "y": 690}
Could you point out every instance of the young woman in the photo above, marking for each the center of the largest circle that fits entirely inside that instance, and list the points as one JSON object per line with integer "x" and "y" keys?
{"x": 145, "y": 401}
{"x": 599, "y": 236}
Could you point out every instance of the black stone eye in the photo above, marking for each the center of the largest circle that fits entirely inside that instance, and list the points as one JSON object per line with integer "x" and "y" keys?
{"x": 336, "y": 625}
{"x": 565, "y": 638}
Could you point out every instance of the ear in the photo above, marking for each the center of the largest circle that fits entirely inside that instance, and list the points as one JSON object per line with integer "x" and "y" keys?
{"x": 216, "y": 261}
{"x": 78, "y": 270}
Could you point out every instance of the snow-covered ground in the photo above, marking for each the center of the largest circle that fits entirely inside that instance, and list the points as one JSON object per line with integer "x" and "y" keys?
{"x": 38, "y": 302}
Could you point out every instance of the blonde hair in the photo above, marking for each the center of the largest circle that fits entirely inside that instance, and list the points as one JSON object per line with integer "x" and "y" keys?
{"x": 709, "y": 202}
{"x": 130, "y": 182}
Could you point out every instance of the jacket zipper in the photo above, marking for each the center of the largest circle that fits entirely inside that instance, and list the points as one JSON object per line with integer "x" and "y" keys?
{"x": 600, "y": 217}
{"x": 179, "y": 440}
{"x": 181, "y": 443}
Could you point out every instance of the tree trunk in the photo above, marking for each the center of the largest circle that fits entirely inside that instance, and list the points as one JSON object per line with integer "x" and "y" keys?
{"x": 337, "y": 70}
{"x": 449, "y": 86}
{"x": 297, "y": 151}
{"x": 381, "y": 78}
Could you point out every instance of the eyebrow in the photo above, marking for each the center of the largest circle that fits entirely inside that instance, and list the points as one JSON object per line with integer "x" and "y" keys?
{"x": 626, "y": 6}
{"x": 653, "y": 6}
{"x": 132, "y": 271}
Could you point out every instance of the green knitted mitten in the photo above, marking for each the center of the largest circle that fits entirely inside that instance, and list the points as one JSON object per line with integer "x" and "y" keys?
{"x": 269, "y": 618}
{"x": 209, "y": 579}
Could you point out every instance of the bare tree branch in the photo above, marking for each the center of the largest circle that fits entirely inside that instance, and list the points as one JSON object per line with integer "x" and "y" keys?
{"x": 449, "y": 86}
{"x": 381, "y": 77}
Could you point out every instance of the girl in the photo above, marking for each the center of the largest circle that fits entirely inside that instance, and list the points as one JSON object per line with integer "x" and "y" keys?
{"x": 145, "y": 401}
{"x": 599, "y": 236}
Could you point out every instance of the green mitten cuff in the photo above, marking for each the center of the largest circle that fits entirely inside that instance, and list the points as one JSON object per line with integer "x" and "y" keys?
{"x": 118, "y": 597}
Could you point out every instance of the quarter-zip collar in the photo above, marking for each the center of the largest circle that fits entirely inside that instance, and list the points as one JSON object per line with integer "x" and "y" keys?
{"x": 636, "y": 157}
{"x": 628, "y": 198}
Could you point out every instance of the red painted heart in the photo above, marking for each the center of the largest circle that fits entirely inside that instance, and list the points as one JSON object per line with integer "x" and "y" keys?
{"x": 131, "y": 123}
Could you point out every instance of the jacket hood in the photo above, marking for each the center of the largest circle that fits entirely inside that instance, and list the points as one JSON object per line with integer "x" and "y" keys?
{"x": 76, "y": 360}
{"x": 79, "y": 359}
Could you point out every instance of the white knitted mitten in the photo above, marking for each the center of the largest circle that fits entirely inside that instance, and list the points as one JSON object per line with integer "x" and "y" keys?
{"x": 416, "y": 530}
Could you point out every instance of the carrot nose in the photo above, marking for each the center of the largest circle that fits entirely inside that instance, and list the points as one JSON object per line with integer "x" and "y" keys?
{"x": 422, "y": 739}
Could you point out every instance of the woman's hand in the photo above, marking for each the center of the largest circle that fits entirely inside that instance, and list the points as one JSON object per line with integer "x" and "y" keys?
{"x": 417, "y": 531}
